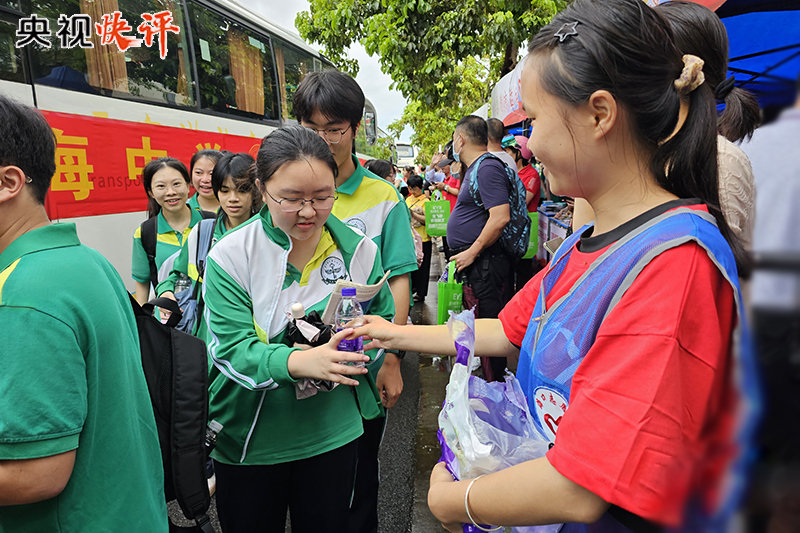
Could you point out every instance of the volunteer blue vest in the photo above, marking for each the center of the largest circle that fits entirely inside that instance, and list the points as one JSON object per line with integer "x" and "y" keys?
{"x": 558, "y": 338}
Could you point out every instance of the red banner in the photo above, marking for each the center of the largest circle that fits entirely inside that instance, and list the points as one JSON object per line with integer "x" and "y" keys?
{"x": 99, "y": 161}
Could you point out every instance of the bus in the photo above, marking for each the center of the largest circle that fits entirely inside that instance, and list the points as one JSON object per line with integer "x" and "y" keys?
{"x": 226, "y": 80}
{"x": 406, "y": 154}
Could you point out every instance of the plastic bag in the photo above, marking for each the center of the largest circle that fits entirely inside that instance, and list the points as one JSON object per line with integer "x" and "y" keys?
{"x": 485, "y": 427}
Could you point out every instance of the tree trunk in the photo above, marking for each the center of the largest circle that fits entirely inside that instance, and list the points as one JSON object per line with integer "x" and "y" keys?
{"x": 510, "y": 59}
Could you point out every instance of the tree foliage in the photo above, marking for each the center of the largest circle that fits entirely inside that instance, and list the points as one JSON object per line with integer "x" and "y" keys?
{"x": 434, "y": 127}
{"x": 422, "y": 43}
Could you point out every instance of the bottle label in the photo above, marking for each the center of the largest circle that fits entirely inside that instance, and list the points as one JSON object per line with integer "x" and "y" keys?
{"x": 353, "y": 345}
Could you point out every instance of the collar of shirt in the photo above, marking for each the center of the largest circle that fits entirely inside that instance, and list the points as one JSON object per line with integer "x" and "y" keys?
{"x": 36, "y": 240}
{"x": 353, "y": 182}
{"x": 164, "y": 227}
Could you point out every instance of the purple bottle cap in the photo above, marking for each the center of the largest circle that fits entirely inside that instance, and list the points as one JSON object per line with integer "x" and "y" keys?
{"x": 348, "y": 292}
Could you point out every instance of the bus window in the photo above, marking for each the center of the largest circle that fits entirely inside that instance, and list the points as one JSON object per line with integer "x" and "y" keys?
{"x": 11, "y": 68}
{"x": 234, "y": 67}
{"x": 293, "y": 65}
{"x": 138, "y": 72}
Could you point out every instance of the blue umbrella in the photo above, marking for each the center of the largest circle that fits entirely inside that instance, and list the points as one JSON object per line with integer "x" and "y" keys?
{"x": 764, "y": 52}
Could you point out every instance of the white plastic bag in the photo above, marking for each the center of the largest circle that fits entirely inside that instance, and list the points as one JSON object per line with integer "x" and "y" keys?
{"x": 485, "y": 427}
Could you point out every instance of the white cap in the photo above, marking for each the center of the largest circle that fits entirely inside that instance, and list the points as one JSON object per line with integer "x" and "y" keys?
{"x": 298, "y": 310}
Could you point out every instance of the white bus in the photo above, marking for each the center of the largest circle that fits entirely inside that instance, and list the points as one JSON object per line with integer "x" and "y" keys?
{"x": 406, "y": 154}
{"x": 227, "y": 80}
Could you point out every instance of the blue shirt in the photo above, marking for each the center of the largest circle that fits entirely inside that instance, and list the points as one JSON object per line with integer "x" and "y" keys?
{"x": 468, "y": 219}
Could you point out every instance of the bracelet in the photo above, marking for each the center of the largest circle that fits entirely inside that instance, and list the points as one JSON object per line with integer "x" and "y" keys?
{"x": 466, "y": 507}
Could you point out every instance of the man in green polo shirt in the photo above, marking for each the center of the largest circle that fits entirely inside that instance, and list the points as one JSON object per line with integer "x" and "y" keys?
{"x": 78, "y": 444}
{"x": 332, "y": 104}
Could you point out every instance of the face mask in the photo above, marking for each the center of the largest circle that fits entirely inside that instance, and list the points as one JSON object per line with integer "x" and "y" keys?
{"x": 456, "y": 175}
{"x": 456, "y": 157}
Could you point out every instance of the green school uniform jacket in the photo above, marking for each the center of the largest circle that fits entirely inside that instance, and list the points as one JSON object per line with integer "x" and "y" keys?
{"x": 248, "y": 290}
{"x": 72, "y": 379}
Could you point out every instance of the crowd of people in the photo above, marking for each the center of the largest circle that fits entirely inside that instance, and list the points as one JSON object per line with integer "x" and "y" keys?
{"x": 631, "y": 345}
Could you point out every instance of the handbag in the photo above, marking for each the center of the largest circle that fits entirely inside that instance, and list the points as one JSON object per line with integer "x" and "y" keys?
{"x": 450, "y": 295}
{"x": 437, "y": 213}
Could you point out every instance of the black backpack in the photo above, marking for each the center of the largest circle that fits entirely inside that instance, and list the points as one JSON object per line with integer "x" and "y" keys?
{"x": 176, "y": 371}
{"x": 516, "y": 236}
{"x": 149, "y": 236}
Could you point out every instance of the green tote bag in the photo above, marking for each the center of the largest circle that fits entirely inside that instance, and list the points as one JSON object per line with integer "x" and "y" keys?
{"x": 450, "y": 295}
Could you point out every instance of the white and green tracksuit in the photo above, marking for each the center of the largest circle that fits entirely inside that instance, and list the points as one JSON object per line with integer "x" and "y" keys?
{"x": 248, "y": 287}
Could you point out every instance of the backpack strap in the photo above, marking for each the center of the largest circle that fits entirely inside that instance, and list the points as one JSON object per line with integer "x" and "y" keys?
{"x": 473, "y": 183}
{"x": 149, "y": 239}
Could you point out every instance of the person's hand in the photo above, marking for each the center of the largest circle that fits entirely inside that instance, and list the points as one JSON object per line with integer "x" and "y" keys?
{"x": 166, "y": 313}
{"x": 302, "y": 346}
{"x": 389, "y": 380}
{"x": 439, "y": 476}
{"x": 326, "y": 362}
{"x": 379, "y": 332}
{"x": 464, "y": 259}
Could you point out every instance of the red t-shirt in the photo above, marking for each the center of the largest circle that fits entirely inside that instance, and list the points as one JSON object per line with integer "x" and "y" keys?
{"x": 651, "y": 405}
{"x": 530, "y": 178}
{"x": 455, "y": 184}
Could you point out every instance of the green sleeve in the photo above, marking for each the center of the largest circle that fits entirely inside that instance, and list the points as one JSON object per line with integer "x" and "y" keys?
{"x": 43, "y": 386}
{"x": 140, "y": 266}
{"x": 180, "y": 266}
{"x": 396, "y": 242}
{"x": 234, "y": 345}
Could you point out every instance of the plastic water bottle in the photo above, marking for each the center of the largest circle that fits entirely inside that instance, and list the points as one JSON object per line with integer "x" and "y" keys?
{"x": 349, "y": 315}
{"x": 182, "y": 283}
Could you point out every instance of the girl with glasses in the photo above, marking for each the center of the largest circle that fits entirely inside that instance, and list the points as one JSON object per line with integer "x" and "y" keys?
{"x": 276, "y": 452}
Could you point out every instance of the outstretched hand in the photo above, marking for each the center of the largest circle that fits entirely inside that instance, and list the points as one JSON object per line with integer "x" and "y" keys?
{"x": 380, "y": 332}
{"x": 326, "y": 362}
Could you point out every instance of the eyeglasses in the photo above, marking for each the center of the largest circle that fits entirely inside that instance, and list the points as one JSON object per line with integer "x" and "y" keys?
{"x": 333, "y": 135}
{"x": 293, "y": 205}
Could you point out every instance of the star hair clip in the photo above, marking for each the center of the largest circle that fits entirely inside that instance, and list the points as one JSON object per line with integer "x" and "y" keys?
{"x": 567, "y": 30}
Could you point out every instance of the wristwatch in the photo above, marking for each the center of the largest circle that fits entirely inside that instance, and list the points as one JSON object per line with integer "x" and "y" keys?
{"x": 399, "y": 353}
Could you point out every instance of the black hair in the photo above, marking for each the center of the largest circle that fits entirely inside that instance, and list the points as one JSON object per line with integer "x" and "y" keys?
{"x": 214, "y": 155}
{"x": 700, "y": 32}
{"x": 380, "y": 167}
{"x": 288, "y": 144}
{"x": 150, "y": 169}
{"x": 241, "y": 169}
{"x": 414, "y": 181}
{"x": 27, "y": 142}
{"x": 628, "y": 49}
{"x": 474, "y": 128}
{"x": 408, "y": 168}
{"x": 334, "y": 94}
{"x": 496, "y": 130}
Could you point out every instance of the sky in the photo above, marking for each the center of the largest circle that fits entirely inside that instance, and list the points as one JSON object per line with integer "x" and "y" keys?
{"x": 389, "y": 104}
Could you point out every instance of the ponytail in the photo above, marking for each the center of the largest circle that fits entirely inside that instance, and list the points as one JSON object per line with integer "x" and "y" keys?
{"x": 686, "y": 165}
{"x": 740, "y": 117}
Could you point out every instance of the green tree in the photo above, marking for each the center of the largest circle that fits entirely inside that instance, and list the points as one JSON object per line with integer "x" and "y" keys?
{"x": 422, "y": 43}
{"x": 434, "y": 126}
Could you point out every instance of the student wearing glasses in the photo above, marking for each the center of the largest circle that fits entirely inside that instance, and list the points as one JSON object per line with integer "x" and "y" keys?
{"x": 332, "y": 104}
{"x": 275, "y": 451}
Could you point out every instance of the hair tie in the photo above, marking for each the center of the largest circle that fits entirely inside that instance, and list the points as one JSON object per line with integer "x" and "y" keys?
{"x": 724, "y": 88}
{"x": 691, "y": 76}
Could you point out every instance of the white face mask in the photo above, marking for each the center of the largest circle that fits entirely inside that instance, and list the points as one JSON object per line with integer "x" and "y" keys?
{"x": 456, "y": 157}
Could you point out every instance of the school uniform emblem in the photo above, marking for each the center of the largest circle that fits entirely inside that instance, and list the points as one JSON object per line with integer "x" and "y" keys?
{"x": 358, "y": 224}
{"x": 550, "y": 407}
{"x": 332, "y": 270}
